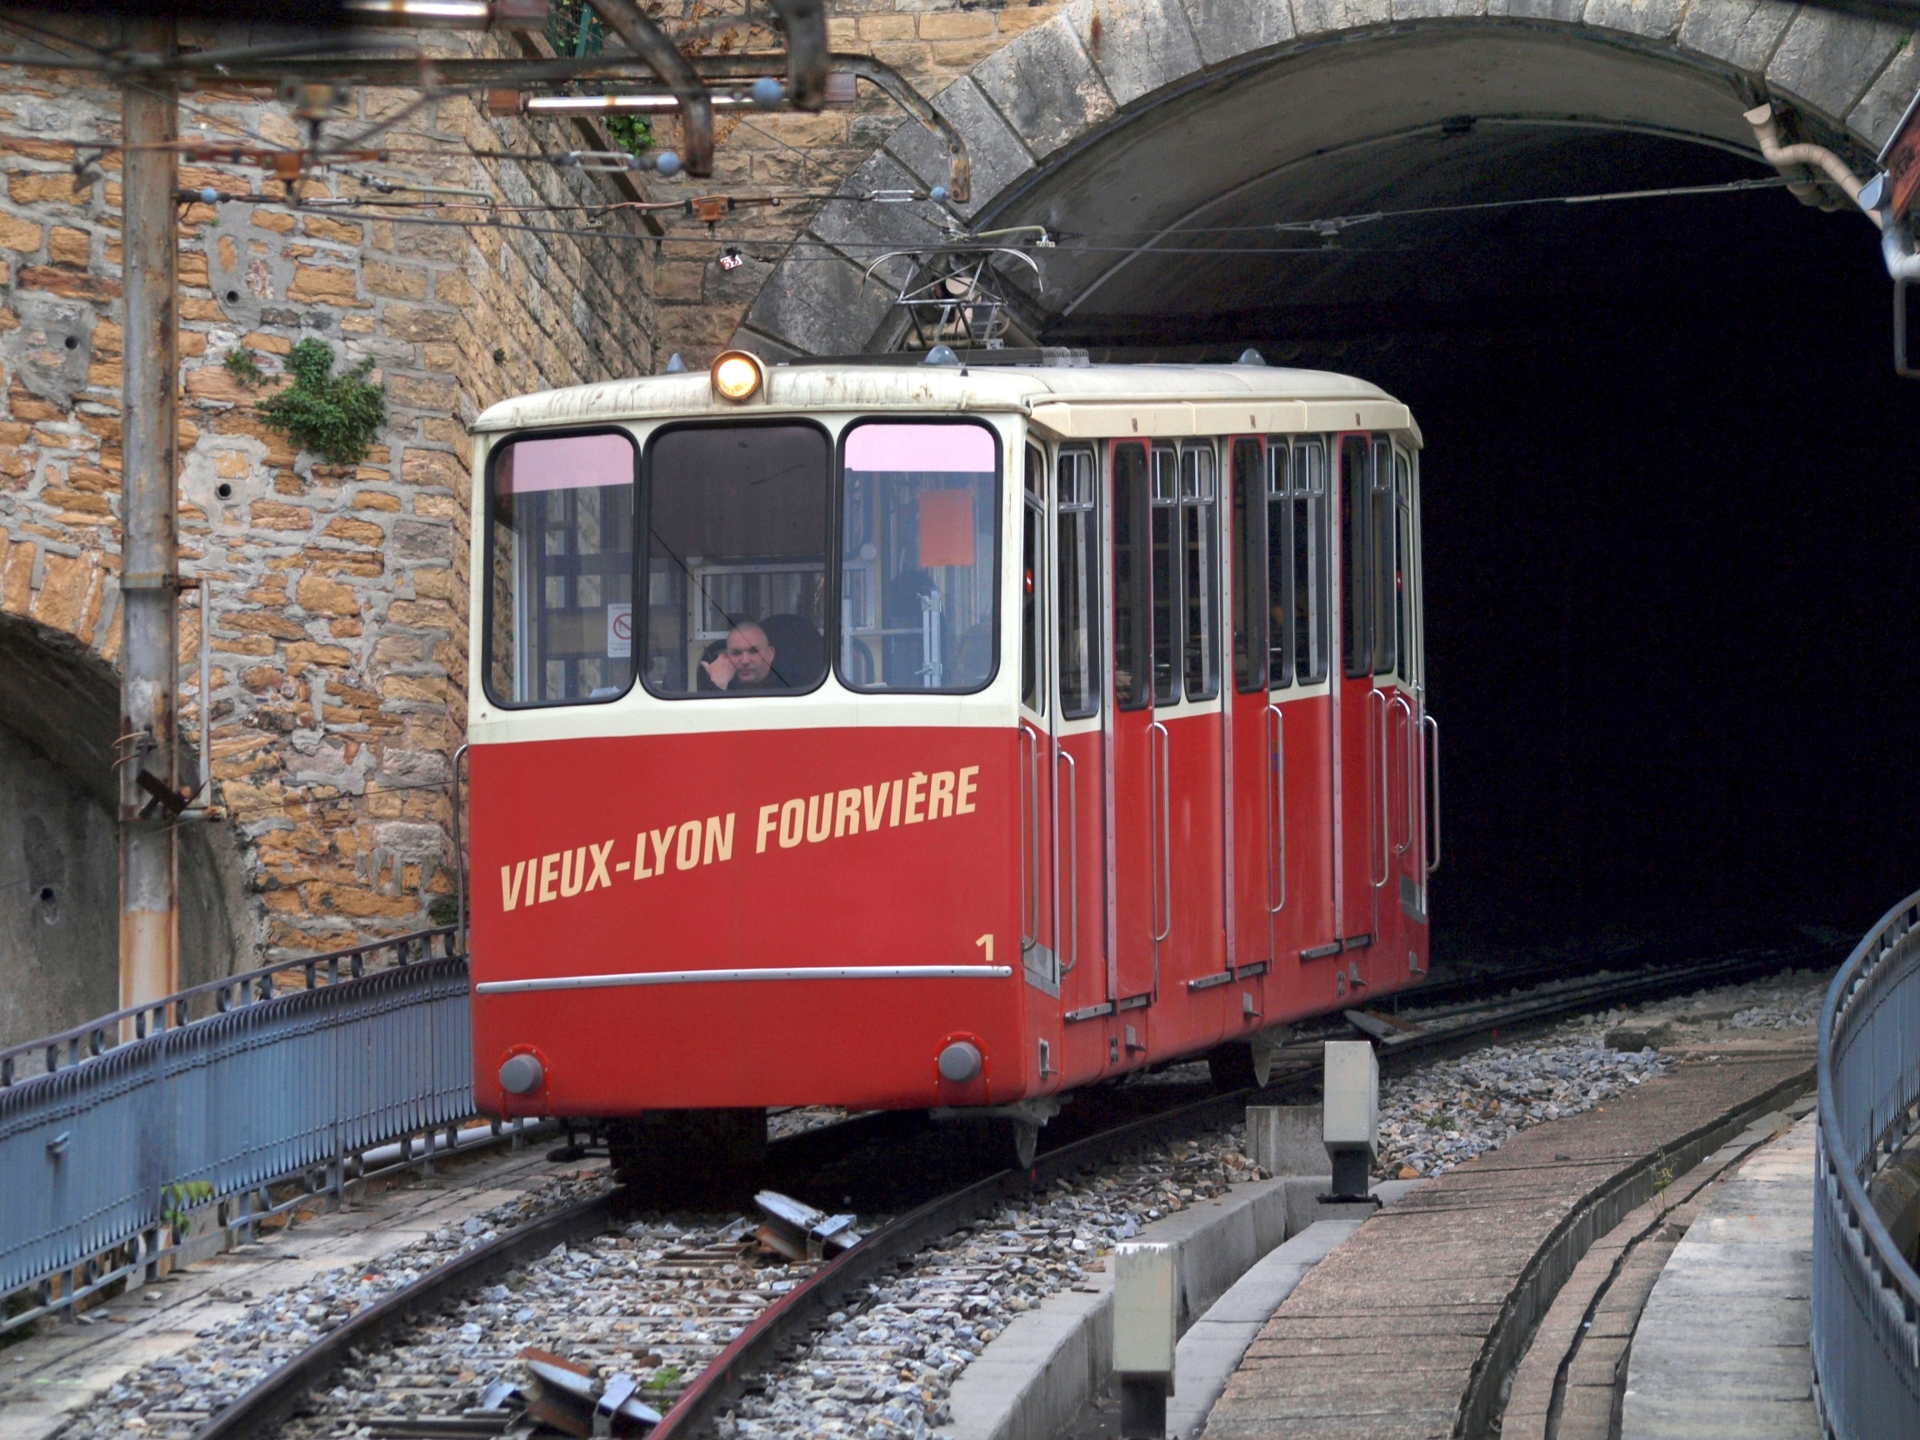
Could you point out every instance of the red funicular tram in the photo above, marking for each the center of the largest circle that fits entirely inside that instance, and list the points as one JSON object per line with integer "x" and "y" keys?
{"x": 936, "y": 735}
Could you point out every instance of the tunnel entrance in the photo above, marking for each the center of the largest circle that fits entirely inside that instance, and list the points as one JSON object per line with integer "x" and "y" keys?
{"x": 1665, "y": 482}
{"x": 60, "y": 849}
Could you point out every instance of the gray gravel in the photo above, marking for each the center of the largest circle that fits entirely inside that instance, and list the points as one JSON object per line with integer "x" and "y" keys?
{"x": 173, "y": 1396}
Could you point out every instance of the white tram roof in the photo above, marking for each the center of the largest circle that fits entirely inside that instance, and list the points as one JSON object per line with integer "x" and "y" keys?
{"x": 1070, "y": 402}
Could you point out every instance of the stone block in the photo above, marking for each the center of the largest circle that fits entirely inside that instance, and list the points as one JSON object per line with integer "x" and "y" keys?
{"x": 326, "y": 597}
{"x": 1046, "y": 87}
{"x": 1654, "y": 19}
{"x": 1227, "y": 29}
{"x": 44, "y": 187}
{"x": 1286, "y": 1139}
{"x": 67, "y": 246}
{"x": 1143, "y": 45}
{"x": 995, "y": 153}
{"x": 1567, "y": 12}
{"x": 1318, "y": 17}
{"x": 1828, "y": 59}
{"x": 324, "y": 284}
{"x": 273, "y": 515}
{"x": 361, "y": 532}
{"x": 1887, "y": 99}
{"x": 401, "y": 282}
{"x": 1437, "y": 9}
{"x": 955, "y": 25}
{"x": 821, "y": 306}
{"x": 1742, "y": 33}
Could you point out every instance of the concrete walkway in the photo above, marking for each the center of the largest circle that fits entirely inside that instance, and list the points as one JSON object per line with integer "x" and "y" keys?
{"x": 1721, "y": 1349}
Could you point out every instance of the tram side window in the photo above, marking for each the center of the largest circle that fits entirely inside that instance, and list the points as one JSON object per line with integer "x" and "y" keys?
{"x": 1131, "y": 662}
{"x": 1356, "y": 557}
{"x": 1163, "y": 522}
{"x": 1252, "y": 581}
{"x": 1309, "y": 521}
{"x": 1033, "y": 585}
{"x": 1200, "y": 541}
{"x": 1386, "y": 562}
{"x": 1276, "y": 564}
{"x": 1079, "y": 581}
{"x": 736, "y": 576}
{"x": 560, "y": 587}
{"x": 919, "y": 557}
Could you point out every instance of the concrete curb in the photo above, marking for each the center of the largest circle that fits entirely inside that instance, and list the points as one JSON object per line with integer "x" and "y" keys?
{"x": 1034, "y": 1377}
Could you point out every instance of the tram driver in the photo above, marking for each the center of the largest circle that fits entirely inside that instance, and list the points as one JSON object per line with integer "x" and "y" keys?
{"x": 746, "y": 663}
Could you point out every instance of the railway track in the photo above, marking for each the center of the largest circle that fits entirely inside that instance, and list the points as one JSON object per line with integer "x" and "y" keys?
{"x": 784, "y": 1323}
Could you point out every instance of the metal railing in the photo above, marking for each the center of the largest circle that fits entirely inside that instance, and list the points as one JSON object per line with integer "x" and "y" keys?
{"x": 1866, "y": 1296}
{"x": 148, "y": 1121}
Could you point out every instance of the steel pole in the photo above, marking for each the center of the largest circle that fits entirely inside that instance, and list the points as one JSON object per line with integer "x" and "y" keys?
{"x": 149, "y": 740}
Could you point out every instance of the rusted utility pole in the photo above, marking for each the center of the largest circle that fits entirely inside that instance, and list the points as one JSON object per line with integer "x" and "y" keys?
{"x": 149, "y": 538}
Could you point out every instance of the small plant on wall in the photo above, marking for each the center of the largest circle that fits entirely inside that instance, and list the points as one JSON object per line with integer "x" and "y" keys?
{"x": 334, "y": 416}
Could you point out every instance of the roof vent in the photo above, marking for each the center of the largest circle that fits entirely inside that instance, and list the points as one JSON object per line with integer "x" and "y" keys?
{"x": 1251, "y": 356}
{"x": 675, "y": 365}
{"x": 941, "y": 355}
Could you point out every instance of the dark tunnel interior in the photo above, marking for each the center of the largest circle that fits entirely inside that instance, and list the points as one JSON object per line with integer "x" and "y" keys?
{"x": 1668, "y": 507}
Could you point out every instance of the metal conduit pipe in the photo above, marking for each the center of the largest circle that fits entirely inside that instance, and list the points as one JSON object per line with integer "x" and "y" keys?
{"x": 1790, "y": 161}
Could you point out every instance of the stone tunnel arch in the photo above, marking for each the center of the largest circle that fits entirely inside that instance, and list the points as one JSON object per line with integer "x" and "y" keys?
{"x": 59, "y": 843}
{"x": 1145, "y": 114}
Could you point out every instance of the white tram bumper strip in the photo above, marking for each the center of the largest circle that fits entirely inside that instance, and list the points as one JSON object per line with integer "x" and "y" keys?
{"x": 715, "y": 977}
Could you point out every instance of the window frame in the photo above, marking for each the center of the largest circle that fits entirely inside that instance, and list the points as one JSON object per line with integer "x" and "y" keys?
{"x": 489, "y": 517}
{"x": 1089, "y": 564}
{"x": 1139, "y": 522}
{"x": 1319, "y": 535}
{"x": 643, "y": 542}
{"x": 836, "y": 540}
{"x": 1250, "y": 595}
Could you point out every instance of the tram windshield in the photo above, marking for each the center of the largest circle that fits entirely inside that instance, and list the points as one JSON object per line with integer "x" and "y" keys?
{"x": 918, "y": 559}
{"x": 560, "y": 605}
{"x": 736, "y": 578}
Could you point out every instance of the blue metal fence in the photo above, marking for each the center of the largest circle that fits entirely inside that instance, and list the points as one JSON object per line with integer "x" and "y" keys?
{"x": 297, "y": 1071}
{"x": 1866, "y": 1296}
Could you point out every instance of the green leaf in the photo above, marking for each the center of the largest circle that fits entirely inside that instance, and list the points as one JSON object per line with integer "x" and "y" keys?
{"x": 334, "y": 416}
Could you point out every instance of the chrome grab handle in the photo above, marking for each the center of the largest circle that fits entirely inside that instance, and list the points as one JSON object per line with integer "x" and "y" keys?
{"x": 1161, "y": 832}
{"x": 1432, "y": 725}
{"x": 1276, "y": 810}
{"x": 1382, "y": 821}
{"x": 1412, "y": 727}
{"x": 1030, "y": 833}
{"x": 1073, "y": 850}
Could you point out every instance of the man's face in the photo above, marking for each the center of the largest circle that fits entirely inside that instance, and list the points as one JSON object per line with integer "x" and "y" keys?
{"x": 750, "y": 653}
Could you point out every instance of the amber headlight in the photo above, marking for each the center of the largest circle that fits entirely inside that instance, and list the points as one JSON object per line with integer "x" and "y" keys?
{"x": 736, "y": 375}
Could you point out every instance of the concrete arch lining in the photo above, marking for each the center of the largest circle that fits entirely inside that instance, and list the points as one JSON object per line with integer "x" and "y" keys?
{"x": 1188, "y": 109}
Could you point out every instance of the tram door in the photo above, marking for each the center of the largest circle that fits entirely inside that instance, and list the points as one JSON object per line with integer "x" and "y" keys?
{"x": 1256, "y": 727}
{"x": 1137, "y": 895}
{"x": 1087, "y": 988}
{"x": 1361, "y": 720}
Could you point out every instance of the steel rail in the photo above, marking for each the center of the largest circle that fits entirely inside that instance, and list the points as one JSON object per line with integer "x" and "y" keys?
{"x": 799, "y": 1311}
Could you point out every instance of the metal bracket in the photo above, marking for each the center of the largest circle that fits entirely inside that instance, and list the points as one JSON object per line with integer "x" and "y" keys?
{"x": 151, "y": 580}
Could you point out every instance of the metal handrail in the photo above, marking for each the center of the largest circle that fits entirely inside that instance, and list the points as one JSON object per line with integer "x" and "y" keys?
{"x": 102, "y": 1035}
{"x": 1865, "y": 1339}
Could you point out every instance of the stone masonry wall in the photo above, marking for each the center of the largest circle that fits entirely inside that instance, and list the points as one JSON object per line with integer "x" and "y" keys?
{"x": 338, "y": 592}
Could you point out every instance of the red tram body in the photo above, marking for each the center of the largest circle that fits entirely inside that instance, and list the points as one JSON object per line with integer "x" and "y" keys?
{"x": 928, "y": 736}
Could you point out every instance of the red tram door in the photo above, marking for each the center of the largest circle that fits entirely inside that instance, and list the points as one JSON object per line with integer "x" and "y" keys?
{"x": 1361, "y": 723}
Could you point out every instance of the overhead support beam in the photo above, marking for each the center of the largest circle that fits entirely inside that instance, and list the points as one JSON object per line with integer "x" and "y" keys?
{"x": 651, "y": 44}
{"x": 149, "y": 747}
{"x": 805, "y": 22}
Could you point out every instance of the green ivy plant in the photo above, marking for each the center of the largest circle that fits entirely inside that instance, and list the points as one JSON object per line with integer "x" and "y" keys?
{"x": 177, "y": 1200}
{"x": 630, "y": 133}
{"x": 335, "y": 416}
{"x": 243, "y": 366}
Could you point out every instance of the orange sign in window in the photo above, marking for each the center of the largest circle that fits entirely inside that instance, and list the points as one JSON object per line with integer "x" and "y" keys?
{"x": 946, "y": 528}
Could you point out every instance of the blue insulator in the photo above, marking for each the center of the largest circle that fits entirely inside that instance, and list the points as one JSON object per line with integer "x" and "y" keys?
{"x": 675, "y": 365}
{"x": 666, "y": 163}
{"x": 769, "y": 93}
{"x": 938, "y": 194}
{"x": 210, "y": 196}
